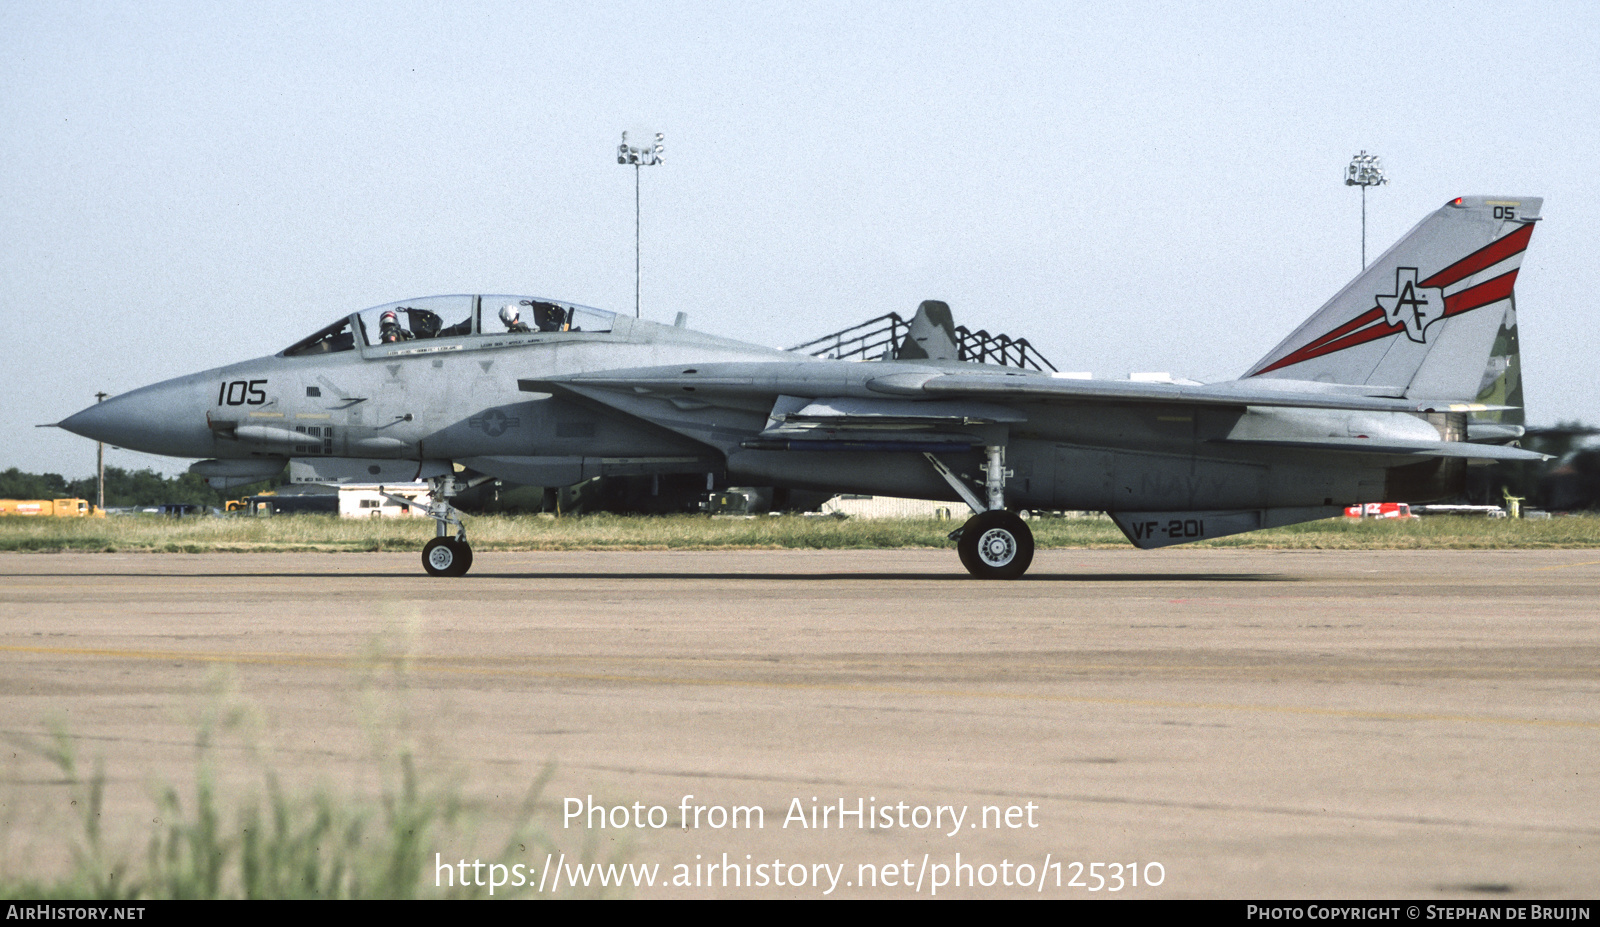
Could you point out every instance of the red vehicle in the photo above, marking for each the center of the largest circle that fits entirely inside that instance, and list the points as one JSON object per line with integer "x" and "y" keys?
{"x": 1380, "y": 510}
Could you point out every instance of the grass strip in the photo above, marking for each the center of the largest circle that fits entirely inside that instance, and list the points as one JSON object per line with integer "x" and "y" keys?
{"x": 324, "y": 533}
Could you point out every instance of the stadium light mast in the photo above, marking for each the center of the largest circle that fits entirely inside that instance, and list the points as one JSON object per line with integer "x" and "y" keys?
{"x": 1364, "y": 171}
{"x": 639, "y": 158}
{"x": 100, "y": 463}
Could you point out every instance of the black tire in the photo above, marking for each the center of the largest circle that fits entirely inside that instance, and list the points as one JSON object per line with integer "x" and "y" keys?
{"x": 963, "y": 551}
{"x": 996, "y": 545}
{"x": 446, "y": 557}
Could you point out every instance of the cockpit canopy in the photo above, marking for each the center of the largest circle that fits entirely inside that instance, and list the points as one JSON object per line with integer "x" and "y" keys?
{"x": 452, "y": 317}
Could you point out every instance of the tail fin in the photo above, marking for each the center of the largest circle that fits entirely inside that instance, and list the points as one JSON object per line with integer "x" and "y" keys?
{"x": 1423, "y": 319}
{"x": 1502, "y": 379}
{"x": 932, "y": 335}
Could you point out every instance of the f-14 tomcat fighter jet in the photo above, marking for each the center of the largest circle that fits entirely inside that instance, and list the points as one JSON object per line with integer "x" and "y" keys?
{"x": 1368, "y": 400}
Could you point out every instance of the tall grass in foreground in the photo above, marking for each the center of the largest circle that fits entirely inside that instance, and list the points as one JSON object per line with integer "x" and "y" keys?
{"x": 695, "y": 532}
{"x": 279, "y": 843}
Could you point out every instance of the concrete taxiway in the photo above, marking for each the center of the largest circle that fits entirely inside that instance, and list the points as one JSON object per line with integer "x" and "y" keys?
{"x": 1231, "y": 723}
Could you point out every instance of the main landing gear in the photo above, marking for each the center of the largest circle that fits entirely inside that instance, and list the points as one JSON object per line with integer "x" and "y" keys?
{"x": 448, "y": 554}
{"x": 994, "y": 543}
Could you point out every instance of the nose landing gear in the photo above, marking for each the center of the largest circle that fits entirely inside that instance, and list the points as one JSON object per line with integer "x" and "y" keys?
{"x": 448, "y": 554}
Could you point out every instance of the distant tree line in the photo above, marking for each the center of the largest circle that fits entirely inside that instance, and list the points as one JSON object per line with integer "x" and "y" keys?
{"x": 123, "y": 488}
{"x": 1569, "y": 482}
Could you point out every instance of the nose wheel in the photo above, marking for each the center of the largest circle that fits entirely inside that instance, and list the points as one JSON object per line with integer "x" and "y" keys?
{"x": 995, "y": 545}
{"x": 447, "y": 557}
{"x": 448, "y": 554}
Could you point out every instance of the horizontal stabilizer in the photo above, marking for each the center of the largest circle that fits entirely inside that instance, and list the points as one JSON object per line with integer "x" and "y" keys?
{"x": 1494, "y": 432}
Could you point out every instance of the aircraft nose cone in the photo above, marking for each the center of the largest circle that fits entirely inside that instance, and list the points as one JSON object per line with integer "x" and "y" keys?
{"x": 167, "y": 418}
{"x": 102, "y": 421}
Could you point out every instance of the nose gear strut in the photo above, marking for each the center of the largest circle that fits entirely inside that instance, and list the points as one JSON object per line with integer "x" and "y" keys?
{"x": 448, "y": 554}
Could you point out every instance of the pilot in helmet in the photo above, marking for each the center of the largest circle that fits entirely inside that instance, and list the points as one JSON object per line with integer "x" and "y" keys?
{"x": 389, "y": 330}
{"x": 512, "y": 317}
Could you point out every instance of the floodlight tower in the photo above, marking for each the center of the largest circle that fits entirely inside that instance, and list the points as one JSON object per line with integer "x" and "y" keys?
{"x": 100, "y": 464}
{"x": 638, "y": 157}
{"x": 1364, "y": 171}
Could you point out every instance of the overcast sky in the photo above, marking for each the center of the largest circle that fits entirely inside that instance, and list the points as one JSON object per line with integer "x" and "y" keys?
{"x": 1132, "y": 187}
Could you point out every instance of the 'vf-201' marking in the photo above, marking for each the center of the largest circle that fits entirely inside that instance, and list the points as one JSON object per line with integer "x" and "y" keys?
{"x": 1174, "y": 528}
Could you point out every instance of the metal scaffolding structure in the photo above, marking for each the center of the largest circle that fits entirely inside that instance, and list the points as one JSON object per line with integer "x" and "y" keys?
{"x": 880, "y": 339}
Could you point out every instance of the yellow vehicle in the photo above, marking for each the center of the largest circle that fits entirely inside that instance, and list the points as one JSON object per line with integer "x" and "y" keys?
{"x": 74, "y": 508}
